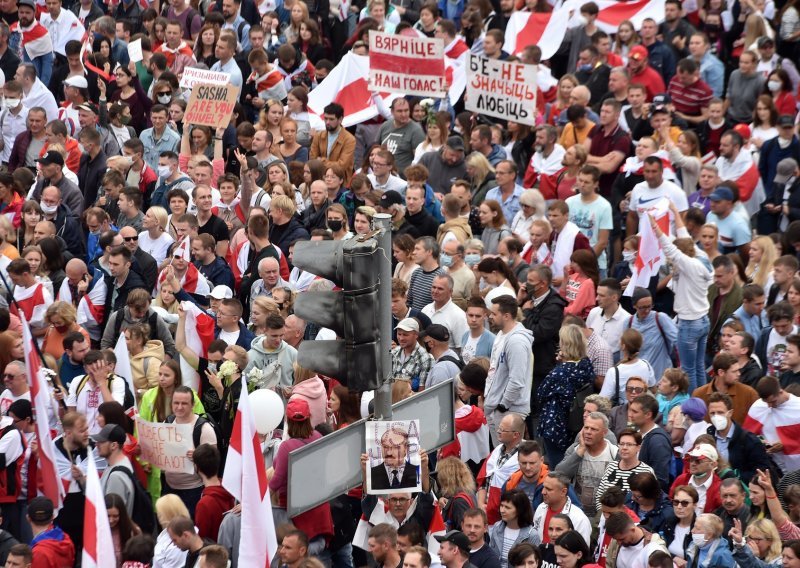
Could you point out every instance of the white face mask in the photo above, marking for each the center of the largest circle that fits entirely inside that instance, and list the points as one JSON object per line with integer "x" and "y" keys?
{"x": 164, "y": 171}
{"x": 11, "y": 103}
{"x": 164, "y": 99}
{"x": 720, "y": 421}
{"x": 48, "y": 209}
{"x": 774, "y": 86}
{"x": 629, "y": 255}
{"x": 699, "y": 539}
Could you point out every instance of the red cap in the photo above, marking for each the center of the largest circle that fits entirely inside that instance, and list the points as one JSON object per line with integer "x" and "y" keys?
{"x": 638, "y": 52}
{"x": 297, "y": 410}
{"x": 744, "y": 130}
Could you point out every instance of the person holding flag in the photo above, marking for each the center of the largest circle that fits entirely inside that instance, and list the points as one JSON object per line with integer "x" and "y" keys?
{"x": 183, "y": 276}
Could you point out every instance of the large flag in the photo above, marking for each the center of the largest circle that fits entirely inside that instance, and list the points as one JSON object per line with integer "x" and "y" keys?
{"x": 613, "y": 12}
{"x": 98, "y": 546}
{"x": 744, "y": 171}
{"x": 199, "y": 335}
{"x": 123, "y": 366}
{"x": 91, "y": 307}
{"x": 52, "y": 487}
{"x": 650, "y": 255}
{"x": 246, "y": 479}
{"x": 778, "y": 424}
{"x": 546, "y": 30}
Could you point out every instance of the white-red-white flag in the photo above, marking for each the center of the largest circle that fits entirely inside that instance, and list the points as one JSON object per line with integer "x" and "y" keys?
{"x": 612, "y": 13}
{"x": 98, "y": 546}
{"x": 778, "y": 424}
{"x": 184, "y": 250}
{"x": 199, "y": 335}
{"x": 51, "y": 484}
{"x": 123, "y": 366}
{"x": 546, "y": 30}
{"x": 650, "y": 255}
{"x": 246, "y": 479}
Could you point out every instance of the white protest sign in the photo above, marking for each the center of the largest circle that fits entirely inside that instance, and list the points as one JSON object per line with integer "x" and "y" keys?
{"x": 165, "y": 445}
{"x": 501, "y": 89}
{"x": 405, "y": 64}
{"x": 135, "y": 51}
{"x": 394, "y": 460}
{"x": 191, "y": 76}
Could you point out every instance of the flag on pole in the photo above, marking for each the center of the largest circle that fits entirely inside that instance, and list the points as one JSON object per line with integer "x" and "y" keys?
{"x": 52, "y": 487}
{"x": 547, "y": 30}
{"x": 246, "y": 479}
{"x": 612, "y": 13}
{"x": 650, "y": 255}
{"x": 98, "y": 545}
{"x": 123, "y": 366}
{"x": 199, "y": 335}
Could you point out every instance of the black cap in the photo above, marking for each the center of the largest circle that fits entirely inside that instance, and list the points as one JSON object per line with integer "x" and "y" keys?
{"x": 457, "y": 538}
{"x": 389, "y": 198}
{"x": 40, "y": 510}
{"x": 50, "y": 158}
{"x": 455, "y": 143}
{"x": 111, "y": 433}
{"x": 437, "y": 331}
{"x": 786, "y": 120}
{"x": 21, "y": 408}
{"x": 662, "y": 99}
{"x": 28, "y": 3}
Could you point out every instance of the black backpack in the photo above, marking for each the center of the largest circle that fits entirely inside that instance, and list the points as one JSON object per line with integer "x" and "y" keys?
{"x": 127, "y": 401}
{"x": 459, "y": 362}
{"x": 143, "y": 514}
{"x": 575, "y": 421}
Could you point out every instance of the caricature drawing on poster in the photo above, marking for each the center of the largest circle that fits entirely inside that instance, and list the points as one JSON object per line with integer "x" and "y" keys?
{"x": 393, "y": 457}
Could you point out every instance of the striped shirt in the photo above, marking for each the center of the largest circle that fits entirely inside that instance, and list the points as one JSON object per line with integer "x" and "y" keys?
{"x": 691, "y": 99}
{"x": 419, "y": 287}
{"x": 614, "y": 476}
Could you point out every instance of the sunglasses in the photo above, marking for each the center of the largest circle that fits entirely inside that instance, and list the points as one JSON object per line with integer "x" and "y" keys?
{"x": 679, "y": 503}
{"x": 130, "y": 239}
{"x": 635, "y": 390}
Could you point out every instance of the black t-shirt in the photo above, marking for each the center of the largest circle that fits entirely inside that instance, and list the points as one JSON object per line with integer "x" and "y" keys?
{"x": 215, "y": 227}
{"x": 209, "y": 397}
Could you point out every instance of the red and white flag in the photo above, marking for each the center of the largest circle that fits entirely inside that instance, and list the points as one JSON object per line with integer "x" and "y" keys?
{"x": 51, "y": 484}
{"x": 91, "y": 307}
{"x": 650, "y": 255}
{"x": 778, "y": 424}
{"x": 33, "y": 301}
{"x": 246, "y": 479}
{"x": 123, "y": 366}
{"x": 546, "y": 30}
{"x": 380, "y": 514}
{"x": 98, "y": 546}
{"x": 744, "y": 171}
{"x": 199, "y": 335}
{"x": 183, "y": 250}
{"x": 613, "y": 13}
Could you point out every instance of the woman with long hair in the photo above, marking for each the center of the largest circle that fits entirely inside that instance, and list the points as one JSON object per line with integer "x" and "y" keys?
{"x": 270, "y": 117}
{"x": 760, "y": 547}
{"x": 31, "y": 215}
{"x": 630, "y": 365}
{"x": 625, "y": 39}
{"x": 709, "y": 240}
{"x": 297, "y": 15}
{"x": 762, "y": 259}
{"x": 310, "y": 42}
{"x": 456, "y": 490}
{"x": 580, "y": 281}
{"x": 61, "y": 318}
{"x": 435, "y": 136}
{"x": 33, "y": 254}
{"x": 11, "y": 347}
{"x": 765, "y": 121}
{"x": 481, "y": 176}
{"x": 520, "y": 144}
{"x": 308, "y": 123}
{"x": 472, "y": 31}
{"x": 649, "y": 502}
{"x": 344, "y": 407}
{"x": 260, "y": 308}
{"x": 337, "y": 222}
{"x": 552, "y": 110}
{"x": 685, "y": 156}
{"x": 130, "y": 91}
{"x": 53, "y": 263}
{"x": 571, "y": 550}
{"x": 499, "y": 277}
{"x": 202, "y": 139}
{"x": 167, "y": 554}
{"x": 11, "y": 199}
{"x": 403, "y": 252}
{"x": 516, "y": 515}
{"x": 779, "y": 85}
{"x": 558, "y": 389}
{"x": 493, "y": 221}
{"x": 122, "y": 527}
{"x": 793, "y": 297}
{"x": 313, "y": 170}
{"x": 206, "y": 44}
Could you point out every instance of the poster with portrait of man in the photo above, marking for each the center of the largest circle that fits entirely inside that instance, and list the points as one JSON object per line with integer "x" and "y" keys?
{"x": 393, "y": 457}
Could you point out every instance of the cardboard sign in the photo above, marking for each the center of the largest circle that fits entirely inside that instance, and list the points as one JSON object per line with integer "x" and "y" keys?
{"x": 394, "y": 462}
{"x": 192, "y": 76}
{"x": 165, "y": 445}
{"x": 211, "y": 105}
{"x": 135, "y": 51}
{"x": 408, "y": 65}
{"x": 501, "y": 89}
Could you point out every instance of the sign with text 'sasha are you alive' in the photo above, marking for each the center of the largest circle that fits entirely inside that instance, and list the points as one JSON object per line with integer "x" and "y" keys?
{"x": 211, "y": 105}
{"x": 502, "y": 89}
{"x": 407, "y": 65}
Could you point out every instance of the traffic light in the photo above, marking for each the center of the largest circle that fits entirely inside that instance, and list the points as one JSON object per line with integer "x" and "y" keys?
{"x": 353, "y": 312}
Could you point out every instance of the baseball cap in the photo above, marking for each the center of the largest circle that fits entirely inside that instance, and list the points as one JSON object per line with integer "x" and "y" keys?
{"x": 40, "y": 509}
{"x": 786, "y": 120}
{"x": 78, "y": 81}
{"x": 721, "y": 193}
{"x": 694, "y": 408}
{"x": 438, "y": 332}
{"x": 111, "y": 433}
{"x": 783, "y": 172}
{"x": 638, "y": 52}
{"x": 455, "y": 143}
{"x": 297, "y": 410}
{"x": 28, "y": 3}
{"x": 389, "y": 198}
{"x": 662, "y": 99}
{"x": 457, "y": 538}
{"x": 89, "y": 107}
{"x": 704, "y": 451}
{"x": 743, "y": 130}
{"x": 221, "y": 292}
{"x": 764, "y": 41}
{"x": 50, "y": 158}
{"x": 408, "y": 324}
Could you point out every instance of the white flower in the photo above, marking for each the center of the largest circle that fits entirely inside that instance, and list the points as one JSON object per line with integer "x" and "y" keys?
{"x": 426, "y": 103}
{"x": 227, "y": 370}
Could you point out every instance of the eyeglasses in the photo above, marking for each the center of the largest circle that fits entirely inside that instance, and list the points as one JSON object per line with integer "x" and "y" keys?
{"x": 130, "y": 239}
{"x": 10, "y": 376}
{"x": 163, "y": 93}
{"x": 644, "y": 308}
{"x": 700, "y": 459}
{"x": 398, "y": 500}
{"x": 756, "y": 538}
{"x": 635, "y": 390}
{"x": 627, "y": 445}
{"x": 680, "y": 503}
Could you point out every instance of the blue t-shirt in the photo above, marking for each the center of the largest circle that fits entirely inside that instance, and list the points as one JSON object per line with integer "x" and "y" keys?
{"x": 734, "y": 231}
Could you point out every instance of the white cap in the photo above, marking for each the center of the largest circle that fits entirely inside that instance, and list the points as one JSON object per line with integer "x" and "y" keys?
{"x": 77, "y": 81}
{"x": 221, "y": 292}
{"x": 408, "y": 324}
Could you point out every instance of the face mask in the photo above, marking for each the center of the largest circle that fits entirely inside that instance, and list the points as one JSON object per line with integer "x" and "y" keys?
{"x": 720, "y": 421}
{"x": 164, "y": 171}
{"x": 585, "y": 67}
{"x": 96, "y": 233}
{"x": 531, "y": 290}
{"x": 472, "y": 259}
{"x": 48, "y": 209}
{"x": 699, "y": 539}
{"x": 62, "y": 329}
{"x": 212, "y": 367}
{"x": 164, "y": 99}
{"x": 774, "y": 86}
{"x": 629, "y": 255}
{"x": 582, "y": 21}
{"x": 11, "y": 103}
{"x": 445, "y": 260}
{"x": 712, "y": 28}
{"x": 125, "y": 120}
{"x": 335, "y": 225}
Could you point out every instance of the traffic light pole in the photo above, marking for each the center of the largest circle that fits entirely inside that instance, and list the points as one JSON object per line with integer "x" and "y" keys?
{"x": 383, "y": 395}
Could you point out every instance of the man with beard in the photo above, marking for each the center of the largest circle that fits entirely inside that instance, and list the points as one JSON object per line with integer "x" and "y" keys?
{"x": 335, "y": 144}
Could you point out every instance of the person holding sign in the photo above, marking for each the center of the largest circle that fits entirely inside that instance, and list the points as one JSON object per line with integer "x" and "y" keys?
{"x": 395, "y": 471}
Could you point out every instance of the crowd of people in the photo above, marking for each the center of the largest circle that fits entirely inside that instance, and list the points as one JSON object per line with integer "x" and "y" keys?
{"x": 584, "y": 392}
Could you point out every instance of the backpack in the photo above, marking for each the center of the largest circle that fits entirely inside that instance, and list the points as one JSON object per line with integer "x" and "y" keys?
{"x": 143, "y": 514}
{"x": 152, "y": 321}
{"x": 127, "y": 401}
{"x": 575, "y": 420}
{"x": 457, "y": 360}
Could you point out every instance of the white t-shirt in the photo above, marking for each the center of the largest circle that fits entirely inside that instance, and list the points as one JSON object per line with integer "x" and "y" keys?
{"x": 89, "y": 399}
{"x": 7, "y": 399}
{"x": 644, "y": 198}
{"x": 469, "y": 348}
{"x": 229, "y": 337}
{"x": 776, "y": 351}
{"x": 591, "y": 218}
{"x": 157, "y": 248}
{"x": 640, "y": 368}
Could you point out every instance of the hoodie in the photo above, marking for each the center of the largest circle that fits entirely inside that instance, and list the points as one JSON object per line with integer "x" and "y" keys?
{"x": 260, "y": 358}
{"x": 314, "y": 393}
{"x": 656, "y": 451}
{"x": 511, "y": 385}
{"x": 441, "y": 175}
{"x": 497, "y": 155}
{"x": 53, "y": 549}
{"x": 211, "y": 507}
{"x": 144, "y": 366}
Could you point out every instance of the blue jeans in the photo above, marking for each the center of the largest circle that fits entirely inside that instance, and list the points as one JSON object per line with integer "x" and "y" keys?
{"x": 692, "y": 339}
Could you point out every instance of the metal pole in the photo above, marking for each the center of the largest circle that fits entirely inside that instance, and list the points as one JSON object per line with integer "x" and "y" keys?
{"x": 383, "y": 396}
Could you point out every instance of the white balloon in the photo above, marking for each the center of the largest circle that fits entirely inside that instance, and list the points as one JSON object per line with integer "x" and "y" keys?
{"x": 268, "y": 410}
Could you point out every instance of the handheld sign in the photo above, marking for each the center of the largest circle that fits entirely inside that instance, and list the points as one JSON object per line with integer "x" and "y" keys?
{"x": 501, "y": 89}
{"x": 211, "y": 105}
{"x": 407, "y": 65}
{"x": 192, "y": 76}
{"x": 135, "y": 51}
{"x": 393, "y": 451}
{"x": 165, "y": 445}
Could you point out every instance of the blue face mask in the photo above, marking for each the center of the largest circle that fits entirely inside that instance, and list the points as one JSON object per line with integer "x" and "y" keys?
{"x": 445, "y": 260}
{"x": 472, "y": 259}
{"x": 585, "y": 67}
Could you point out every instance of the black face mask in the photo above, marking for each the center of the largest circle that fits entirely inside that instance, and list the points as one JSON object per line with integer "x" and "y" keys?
{"x": 531, "y": 290}
{"x": 335, "y": 225}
